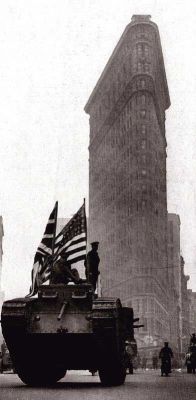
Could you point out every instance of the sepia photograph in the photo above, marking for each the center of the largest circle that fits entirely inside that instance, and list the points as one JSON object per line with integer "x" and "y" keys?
{"x": 97, "y": 199}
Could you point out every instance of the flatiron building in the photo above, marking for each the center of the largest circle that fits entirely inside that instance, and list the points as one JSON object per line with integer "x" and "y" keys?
{"x": 127, "y": 175}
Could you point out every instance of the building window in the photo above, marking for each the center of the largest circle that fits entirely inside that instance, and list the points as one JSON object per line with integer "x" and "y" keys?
{"x": 146, "y": 67}
{"x": 139, "y": 67}
{"x": 139, "y": 50}
{"x": 146, "y": 50}
{"x": 143, "y": 204}
{"x": 143, "y": 100}
{"x": 143, "y": 145}
{"x": 143, "y": 130}
{"x": 143, "y": 113}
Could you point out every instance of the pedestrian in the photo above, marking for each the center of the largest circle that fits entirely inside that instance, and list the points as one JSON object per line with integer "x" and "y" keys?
{"x": 193, "y": 339}
{"x": 138, "y": 361}
{"x": 92, "y": 265}
{"x": 165, "y": 355}
{"x": 144, "y": 362}
{"x": 130, "y": 355}
{"x": 154, "y": 361}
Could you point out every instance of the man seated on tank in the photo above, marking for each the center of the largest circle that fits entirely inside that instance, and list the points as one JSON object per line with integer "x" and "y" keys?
{"x": 62, "y": 272}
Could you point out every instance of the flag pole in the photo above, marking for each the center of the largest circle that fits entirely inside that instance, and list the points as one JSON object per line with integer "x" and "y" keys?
{"x": 54, "y": 235}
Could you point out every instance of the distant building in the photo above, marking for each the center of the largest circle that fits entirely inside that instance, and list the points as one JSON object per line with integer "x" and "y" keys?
{"x": 174, "y": 269}
{"x": 1, "y": 245}
{"x": 127, "y": 176}
{"x": 1, "y": 258}
{"x": 185, "y": 309}
{"x": 192, "y": 311}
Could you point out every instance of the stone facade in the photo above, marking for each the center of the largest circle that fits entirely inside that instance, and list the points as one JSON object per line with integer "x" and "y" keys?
{"x": 185, "y": 309}
{"x": 127, "y": 176}
{"x": 192, "y": 311}
{"x": 1, "y": 257}
{"x": 174, "y": 268}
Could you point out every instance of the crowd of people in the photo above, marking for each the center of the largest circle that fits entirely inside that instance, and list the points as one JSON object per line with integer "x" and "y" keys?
{"x": 155, "y": 360}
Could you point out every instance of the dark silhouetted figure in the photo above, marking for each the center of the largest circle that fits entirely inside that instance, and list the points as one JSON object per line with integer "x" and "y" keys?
{"x": 62, "y": 272}
{"x": 166, "y": 354}
{"x": 154, "y": 361}
{"x": 144, "y": 362}
{"x": 193, "y": 339}
{"x": 92, "y": 265}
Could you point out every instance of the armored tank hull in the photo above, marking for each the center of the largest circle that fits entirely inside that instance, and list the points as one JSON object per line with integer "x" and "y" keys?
{"x": 65, "y": 328}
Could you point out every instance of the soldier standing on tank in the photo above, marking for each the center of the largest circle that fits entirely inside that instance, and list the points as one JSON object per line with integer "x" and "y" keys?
{"x": 92, "y": 265}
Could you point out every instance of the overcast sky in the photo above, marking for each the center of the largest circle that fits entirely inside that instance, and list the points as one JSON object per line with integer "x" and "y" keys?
{"x": 52, "y": 53}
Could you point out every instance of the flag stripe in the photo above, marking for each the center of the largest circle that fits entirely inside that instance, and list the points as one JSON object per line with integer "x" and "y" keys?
{"x": 48, "y": 236}
{"x": 43, "y": 247}
{"x": 44, "y": 251}
{"x": 77, "y": 237}
{"x": 76, "y": 250}
{"x": 71, "y": 241}
{"x": 49, "y": 229}
{"x": 73, "y": 244}
{"x": 78, "y": 258}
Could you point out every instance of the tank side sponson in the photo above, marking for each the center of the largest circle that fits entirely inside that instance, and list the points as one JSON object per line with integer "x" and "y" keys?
{"x": 14, "y": 321}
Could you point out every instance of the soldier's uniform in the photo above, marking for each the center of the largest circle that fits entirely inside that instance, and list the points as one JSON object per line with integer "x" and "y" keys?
{"x": 92, "y": 265}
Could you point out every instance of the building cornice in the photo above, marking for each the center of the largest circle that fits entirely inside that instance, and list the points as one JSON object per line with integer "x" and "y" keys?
{"x": 133, "y": 87}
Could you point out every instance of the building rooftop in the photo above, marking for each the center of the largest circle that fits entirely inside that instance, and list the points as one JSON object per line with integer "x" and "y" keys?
{"x": 140, "y": 18}
{"x": 135, "y": 20}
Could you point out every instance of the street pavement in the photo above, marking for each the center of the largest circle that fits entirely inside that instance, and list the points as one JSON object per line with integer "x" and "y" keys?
{"x": 80, "y": 385}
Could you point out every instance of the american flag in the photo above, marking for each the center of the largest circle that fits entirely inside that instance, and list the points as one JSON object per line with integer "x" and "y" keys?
{"x": 44, "y": 254}
{"x": 71, "y": 241}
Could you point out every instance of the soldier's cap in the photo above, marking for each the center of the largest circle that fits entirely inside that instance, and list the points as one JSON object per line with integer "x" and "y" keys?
{"x": 94, "y": 243}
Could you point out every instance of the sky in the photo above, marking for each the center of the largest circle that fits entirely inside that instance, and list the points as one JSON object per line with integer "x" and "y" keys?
{"x": 52, "y": 53}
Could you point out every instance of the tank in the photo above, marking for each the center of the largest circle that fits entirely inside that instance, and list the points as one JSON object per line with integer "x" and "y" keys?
{"x": 67, "y": 327}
